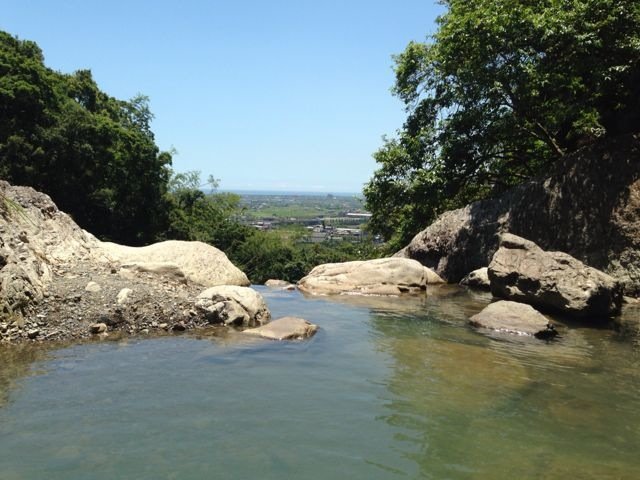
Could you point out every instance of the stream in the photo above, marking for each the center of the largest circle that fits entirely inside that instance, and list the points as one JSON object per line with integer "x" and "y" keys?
{"x": 388, "y": 388}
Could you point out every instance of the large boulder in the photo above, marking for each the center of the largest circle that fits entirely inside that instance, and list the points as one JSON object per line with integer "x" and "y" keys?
{"x": 46, "y": 259}
{"x": 513, "y": 317}
{"x": 285, "y": 328}
{"x": 198, "y": 262}
{"x": 522, "y": 271}
{"x": 383, "y": 276}
{"x": 588, "y": 207}
{"x": 233, "y": 305}
{"x": 35, "y": 238}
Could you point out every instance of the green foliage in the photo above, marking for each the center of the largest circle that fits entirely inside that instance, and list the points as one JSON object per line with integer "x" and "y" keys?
{"x": 503, "y": 90}
{"x": 266, "y": 255}
{"x": 93, "y": 154}
{"x": 213, "y": 218}
{"x": 210, "y": 218}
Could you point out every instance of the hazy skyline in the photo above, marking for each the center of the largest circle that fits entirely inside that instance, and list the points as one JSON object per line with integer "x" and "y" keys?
{"x": 263, "y": 95}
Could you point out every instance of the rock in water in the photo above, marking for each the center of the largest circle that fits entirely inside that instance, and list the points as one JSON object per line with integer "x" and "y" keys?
{"x": 282, "y": 284}
{"x": 285, "y": 328}
{"x": 384, "y": 276}
{"x": 477, "y": 279}
{"x": 522, "y": 271}
{"x": 224, "y": 304}
{"x": 514, "y": 317}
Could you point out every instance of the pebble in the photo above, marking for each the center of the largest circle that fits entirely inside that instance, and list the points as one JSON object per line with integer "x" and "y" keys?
{"x": 33, "y": 333}
{"x": 123, "y": 295}
{"x": 93, "y": 287}
{"x": 98, "y": 328}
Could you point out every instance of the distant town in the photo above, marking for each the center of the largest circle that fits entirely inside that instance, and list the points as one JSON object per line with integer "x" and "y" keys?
{"x": 316, "y": 217}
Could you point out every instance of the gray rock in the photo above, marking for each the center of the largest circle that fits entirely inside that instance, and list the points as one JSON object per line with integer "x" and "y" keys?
{"x": 383, "y": 276}
{"x": 589, "y": 207}
{"x": 198, "y": 262}
{"x": 123, "y": 296}
{"x": 514, "y": 317}
{"x": 236, "y": 302}
{"x": 93, "y": 287}
{"x": 227, "y": 312}
{"x": 477, "y": 279}
{"x": 281, "y": 284}
{"x": 32, "y": 334}
{"x": 276, "y": 283}
{"x": 523, "y": 272}
{"x": 98, "y": 328}
{"x": 285, "y": 328}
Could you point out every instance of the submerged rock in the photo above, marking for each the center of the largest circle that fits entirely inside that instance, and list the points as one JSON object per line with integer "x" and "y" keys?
{"x": 285, "y": 328}
{"x": 384, "y": 276}
{"x": 477, "y": 279}
{"x": 513, "y": 317}
{"x": 522, "y": 271}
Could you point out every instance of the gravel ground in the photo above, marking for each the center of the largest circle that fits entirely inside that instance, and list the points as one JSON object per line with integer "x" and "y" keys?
{"x": 82, "y": 302}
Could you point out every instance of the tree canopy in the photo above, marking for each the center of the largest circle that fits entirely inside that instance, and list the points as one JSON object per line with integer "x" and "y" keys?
{"x": 93, "y": 154}
{"x": 501, "y": 91}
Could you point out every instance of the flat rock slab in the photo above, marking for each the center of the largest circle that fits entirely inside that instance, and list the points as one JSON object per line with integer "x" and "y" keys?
{"x": 383, "y": 276}
{"x": 513, "y": 317}
{"x": 285, "y": 328}
{"x": 523, "y": 272}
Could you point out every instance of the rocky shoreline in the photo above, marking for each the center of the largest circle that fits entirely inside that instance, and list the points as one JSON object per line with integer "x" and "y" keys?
{"x": 58, "y": 283}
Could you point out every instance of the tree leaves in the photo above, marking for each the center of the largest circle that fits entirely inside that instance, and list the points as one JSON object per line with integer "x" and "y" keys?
{"x": 94, "y": 154}
{"x": 501, "y": 91}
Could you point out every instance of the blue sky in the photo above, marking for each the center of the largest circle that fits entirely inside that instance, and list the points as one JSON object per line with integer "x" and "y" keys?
{"x": 268, "y": 95}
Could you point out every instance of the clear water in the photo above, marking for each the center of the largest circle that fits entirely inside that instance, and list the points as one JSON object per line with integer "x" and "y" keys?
{"x": 399, "y": 388}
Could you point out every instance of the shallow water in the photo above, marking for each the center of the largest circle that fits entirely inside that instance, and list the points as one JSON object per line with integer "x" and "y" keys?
{"x": 389, "y": 388}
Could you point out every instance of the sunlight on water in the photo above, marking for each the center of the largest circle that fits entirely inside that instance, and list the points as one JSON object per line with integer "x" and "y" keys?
{"x": 389, "y": 388}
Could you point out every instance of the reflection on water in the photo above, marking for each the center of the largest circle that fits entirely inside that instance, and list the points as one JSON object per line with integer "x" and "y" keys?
{"x": 389, "y": 388}
{"x": 16, "y": 361}
{"x": 512, "y": 407}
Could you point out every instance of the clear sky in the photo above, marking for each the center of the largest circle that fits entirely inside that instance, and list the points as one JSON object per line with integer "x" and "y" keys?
{"x": 265, "y": 95}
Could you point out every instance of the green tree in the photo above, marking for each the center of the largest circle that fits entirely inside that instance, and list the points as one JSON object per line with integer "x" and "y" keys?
{"x": 211, "y": 218}
{"x": 93, "y": 154}
{"x": 503, "y": 90}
